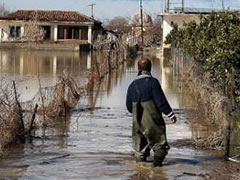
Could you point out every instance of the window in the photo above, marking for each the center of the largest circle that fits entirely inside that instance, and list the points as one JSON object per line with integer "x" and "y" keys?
{"x": 68, "y": 32}
{"x": 84, "y": 33}
{"x": 47, "y": 32}
{"x": 14, "y": 31}
{"x": 60, "y": 32}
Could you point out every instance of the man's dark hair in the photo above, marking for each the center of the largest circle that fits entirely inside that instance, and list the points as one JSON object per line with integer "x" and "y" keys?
{"x": 144, "y": 65}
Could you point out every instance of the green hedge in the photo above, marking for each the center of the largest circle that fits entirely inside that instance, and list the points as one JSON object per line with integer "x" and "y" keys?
{"x": 215, "y": 44}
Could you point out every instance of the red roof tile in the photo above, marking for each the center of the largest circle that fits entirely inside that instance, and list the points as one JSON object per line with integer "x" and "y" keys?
{"x": 55, "y": 15}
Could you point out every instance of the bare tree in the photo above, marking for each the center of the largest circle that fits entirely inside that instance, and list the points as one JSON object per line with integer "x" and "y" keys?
{"x": 33, "y": 31}
{"x": 118, "y": 24}
{"x": 153, "y": 35}
{"x": 3, "y": 10}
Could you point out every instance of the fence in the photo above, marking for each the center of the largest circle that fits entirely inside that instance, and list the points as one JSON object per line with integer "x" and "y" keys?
{"x": 216, "y": 108}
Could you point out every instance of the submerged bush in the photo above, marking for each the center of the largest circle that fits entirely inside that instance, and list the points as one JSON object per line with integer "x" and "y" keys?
{"x": 11, "y": 127}
{"x": 215, "y": 44}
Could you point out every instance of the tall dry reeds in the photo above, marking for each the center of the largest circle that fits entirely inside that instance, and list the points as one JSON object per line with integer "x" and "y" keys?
{"x": 57, "y": 101}
{"x": 50, "y": 104}
{"x": 17, "y": 119}
{"x": 211, "y": 107}
{"x": 11, "y": 119}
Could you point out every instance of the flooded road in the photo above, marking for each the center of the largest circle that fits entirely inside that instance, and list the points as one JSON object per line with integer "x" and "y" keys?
{"x": 94, "y": 143}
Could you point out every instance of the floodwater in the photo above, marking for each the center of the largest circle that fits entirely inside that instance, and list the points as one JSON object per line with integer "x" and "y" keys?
{"x": 94, "y": 143}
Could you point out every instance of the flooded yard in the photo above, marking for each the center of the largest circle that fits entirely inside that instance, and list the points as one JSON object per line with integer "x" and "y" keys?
{"x": 95, "y": 143}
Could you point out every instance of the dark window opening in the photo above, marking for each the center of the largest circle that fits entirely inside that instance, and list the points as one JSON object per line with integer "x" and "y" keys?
{"x": 68, "y": 32}
{"x": 84, "y": 33}
{"x": 47, "y": 32}
{"x": 15, "y": 31}
{"x": 76, "y": 33}
{"x": 60, "y": 32}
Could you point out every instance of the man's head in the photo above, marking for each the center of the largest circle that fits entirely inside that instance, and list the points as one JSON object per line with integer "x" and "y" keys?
{"x": 144, "y": 65}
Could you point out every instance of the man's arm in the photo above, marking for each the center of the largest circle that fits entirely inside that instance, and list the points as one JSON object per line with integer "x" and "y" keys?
{"x": 161, "y": 101}
{"x": 129, "y": 100}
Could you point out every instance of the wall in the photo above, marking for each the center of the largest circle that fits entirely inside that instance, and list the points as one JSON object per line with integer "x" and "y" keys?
{"x": 168, "y": 19}
{"x": 86, "y": 31}
{"x": 40, "y": 46}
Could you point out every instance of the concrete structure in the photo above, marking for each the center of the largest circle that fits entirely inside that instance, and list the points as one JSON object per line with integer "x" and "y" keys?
{"x": 135, "y": 20}
{"x": 53, "y": 26}
{"x": 169, "y": 19}
{"x": 138, "y": 28}
{"x": 180, "y": 15}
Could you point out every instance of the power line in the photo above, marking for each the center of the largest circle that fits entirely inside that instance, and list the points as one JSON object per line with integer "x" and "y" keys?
{"x": 92, "y": 5}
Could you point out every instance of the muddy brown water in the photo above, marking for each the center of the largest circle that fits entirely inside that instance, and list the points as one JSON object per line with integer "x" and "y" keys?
{"x": 95, "y": 143}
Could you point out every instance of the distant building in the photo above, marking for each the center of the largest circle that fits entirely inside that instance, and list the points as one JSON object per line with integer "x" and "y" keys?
{"x": 179, "y": 18}
{"x": 56, "y": 26}
{"x": 135, "y": 23}
{"x": 135, "y": 20}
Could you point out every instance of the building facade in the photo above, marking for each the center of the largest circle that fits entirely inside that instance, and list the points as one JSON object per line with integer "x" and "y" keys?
{"x": 51, "y": 26}
{"x": 177, "y": 17}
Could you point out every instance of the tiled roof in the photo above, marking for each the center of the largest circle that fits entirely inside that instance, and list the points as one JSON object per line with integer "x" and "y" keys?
{"x": 55, "y": 15}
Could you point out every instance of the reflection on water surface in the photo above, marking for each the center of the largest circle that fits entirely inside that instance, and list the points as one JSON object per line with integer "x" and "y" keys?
{"x": 93, "y": 143}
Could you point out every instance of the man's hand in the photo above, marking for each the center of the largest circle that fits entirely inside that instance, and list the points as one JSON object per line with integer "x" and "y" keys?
{"x": 174, "y": 119}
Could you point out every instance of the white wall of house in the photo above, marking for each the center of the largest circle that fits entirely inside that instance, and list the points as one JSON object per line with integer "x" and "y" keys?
{"x": 22, "y": 31}
{"x": 3, "y": 35}
{"x": 168, "y": 19}
{"x": 166, "y": 30}
{"x": 55, "y": 33}
{"x": 90, "y": 34}
{"x": 5, "y": 30}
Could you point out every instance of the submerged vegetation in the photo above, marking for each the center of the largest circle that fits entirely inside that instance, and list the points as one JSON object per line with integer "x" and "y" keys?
{"x": 50, "y": 105}
{"x": 11, "y": 126}
{"x": 210, "y": 53}
{"x": 17, "y": 119}
{"x": 214, "y": 44}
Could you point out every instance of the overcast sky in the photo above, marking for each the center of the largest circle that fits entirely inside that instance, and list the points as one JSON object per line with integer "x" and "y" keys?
{"x": 110, "y": 8}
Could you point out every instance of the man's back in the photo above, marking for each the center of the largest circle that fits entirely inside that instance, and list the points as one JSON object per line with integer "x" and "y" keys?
{"x": 150, "y": 90}
{"x": 146, "y": 101}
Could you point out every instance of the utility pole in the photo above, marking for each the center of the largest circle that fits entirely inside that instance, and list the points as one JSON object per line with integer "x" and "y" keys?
{"x": 182, "y": 6}
{"x": 141, "y": 15}
{"x": 92, "y": 5}
{"x": 168, "y": 6}
{"x": 223, "y": 7}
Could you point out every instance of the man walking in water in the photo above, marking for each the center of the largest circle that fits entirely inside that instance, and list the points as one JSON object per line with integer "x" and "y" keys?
{"x": 146, "y": 101}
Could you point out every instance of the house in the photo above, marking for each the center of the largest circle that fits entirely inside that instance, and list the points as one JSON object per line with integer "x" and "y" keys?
{"x": 49, "y": 25}
{"x": 179, "y": 18}
{"x": 139, "y": 26}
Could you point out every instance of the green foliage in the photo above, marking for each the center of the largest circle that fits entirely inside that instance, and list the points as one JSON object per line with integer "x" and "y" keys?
{"x": 215, "y": 43}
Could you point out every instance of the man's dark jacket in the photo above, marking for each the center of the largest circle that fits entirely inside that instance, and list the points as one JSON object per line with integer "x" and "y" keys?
{"x": 149, "y": 89}
{"x": 146, "y": 101}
